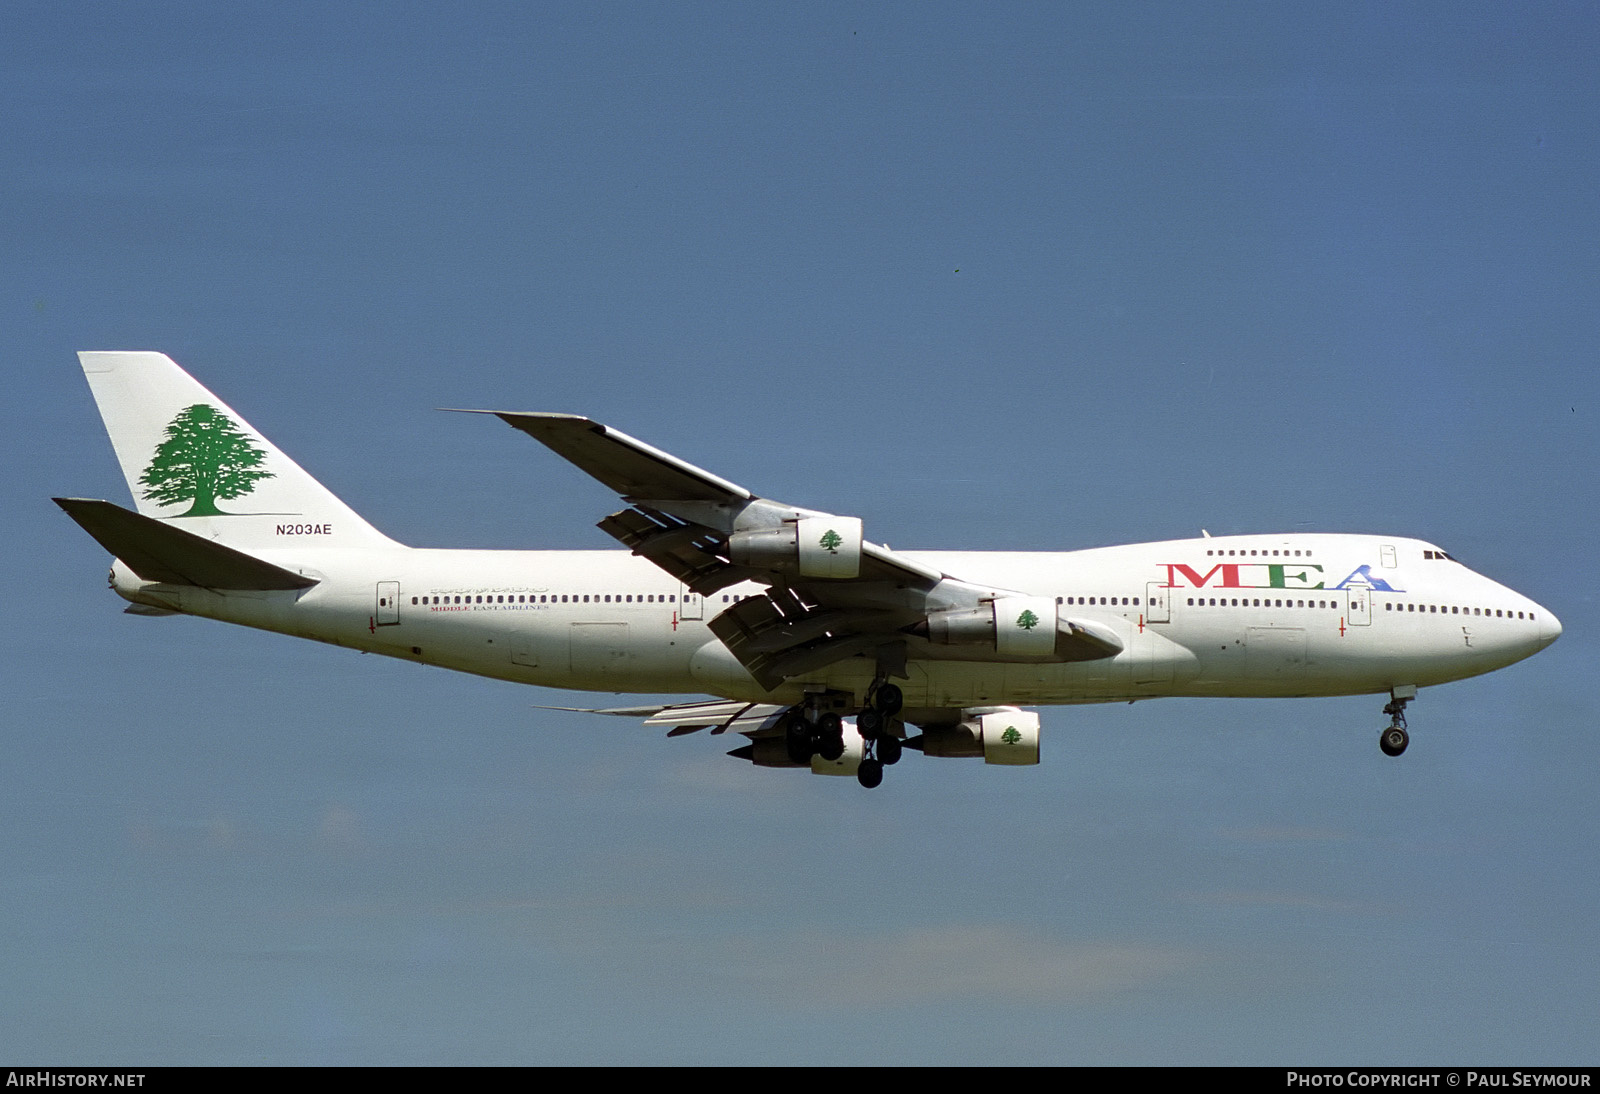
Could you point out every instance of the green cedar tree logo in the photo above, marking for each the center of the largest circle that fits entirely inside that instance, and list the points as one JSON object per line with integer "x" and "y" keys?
{"x": 1011, "y": 736}
{"x": 830, "y": 541}
{"x": 1027, "y": 621}
{"x": 205, "y": 458}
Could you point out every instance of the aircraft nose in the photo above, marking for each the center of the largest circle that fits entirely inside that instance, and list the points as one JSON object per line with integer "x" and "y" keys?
{"x": 1549, "y": 627}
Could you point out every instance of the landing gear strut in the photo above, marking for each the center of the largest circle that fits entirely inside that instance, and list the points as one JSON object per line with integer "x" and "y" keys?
{"x": 1394, "y": 738}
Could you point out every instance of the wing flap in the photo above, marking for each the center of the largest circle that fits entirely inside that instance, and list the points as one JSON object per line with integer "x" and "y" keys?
{"x": 695, "y": 554}
{"x": 156, "y": 551}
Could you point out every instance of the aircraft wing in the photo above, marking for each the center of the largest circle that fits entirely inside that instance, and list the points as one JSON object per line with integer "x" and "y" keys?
{"x": 717, "y": 715}
{"x": 831, "y": 595}
{"x": 630, "y": 467}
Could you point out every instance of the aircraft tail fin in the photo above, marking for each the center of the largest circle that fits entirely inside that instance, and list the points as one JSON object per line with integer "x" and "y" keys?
{"x": 191, "y": 460}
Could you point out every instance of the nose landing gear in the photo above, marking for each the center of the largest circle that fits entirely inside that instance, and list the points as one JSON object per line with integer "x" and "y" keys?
{"x": 1394, "y": 738}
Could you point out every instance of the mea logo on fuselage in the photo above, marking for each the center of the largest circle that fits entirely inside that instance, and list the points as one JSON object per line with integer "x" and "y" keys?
{"x": 1270, "y": 575}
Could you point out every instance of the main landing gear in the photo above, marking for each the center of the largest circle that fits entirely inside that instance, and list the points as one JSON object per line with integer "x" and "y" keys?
{"x": 1394, "y": 738}
{"x": 809, "y": 732}
{"x": 874, "y": 723}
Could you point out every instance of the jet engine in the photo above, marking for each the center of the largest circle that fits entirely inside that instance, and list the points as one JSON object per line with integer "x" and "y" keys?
{"x": 1021, "y": 628}
{"x": 1001, "y": 735}
{"x": 815, "y": 547}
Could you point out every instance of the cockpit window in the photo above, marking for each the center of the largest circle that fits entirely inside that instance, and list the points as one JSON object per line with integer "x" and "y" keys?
{"x": 1439, "y": 555}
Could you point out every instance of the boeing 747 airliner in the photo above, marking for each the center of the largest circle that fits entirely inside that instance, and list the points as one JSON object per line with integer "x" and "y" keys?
{"x": 827, "y": 651}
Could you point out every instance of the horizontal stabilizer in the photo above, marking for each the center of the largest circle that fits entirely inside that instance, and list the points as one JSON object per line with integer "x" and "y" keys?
{"x": 159, "y": 552}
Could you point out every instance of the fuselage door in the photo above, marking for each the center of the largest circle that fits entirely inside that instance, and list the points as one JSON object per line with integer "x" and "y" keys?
{"x": 690, "y": 605}
{"x": 388, "y": 606}
{"x": 1386, "y": 555}
{"x": 1156, "y": 609}
{"x": 1359, "y": 606}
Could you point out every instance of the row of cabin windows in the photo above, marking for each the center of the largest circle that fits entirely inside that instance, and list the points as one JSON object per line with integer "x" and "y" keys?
{"x": 1456, "y": 609}
{"x": 1194, "y": 602}
{"x": 1446, "y": 609}
{"x": 552, "y": 598}
{"x": 1241, "y": 551}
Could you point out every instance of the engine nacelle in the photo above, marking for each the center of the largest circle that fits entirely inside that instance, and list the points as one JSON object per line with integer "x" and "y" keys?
{"x": 1015, "y": 626}
{"x": 816, "y": 547}
{"x": 1001, "y": 735}
{"x": 1021, "y": 628}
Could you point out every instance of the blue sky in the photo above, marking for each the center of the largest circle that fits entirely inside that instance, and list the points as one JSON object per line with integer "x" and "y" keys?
{"x": 1027, "y": 277}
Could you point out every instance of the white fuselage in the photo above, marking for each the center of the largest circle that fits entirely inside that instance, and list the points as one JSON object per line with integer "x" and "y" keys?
{"x": 1259, "y": 615}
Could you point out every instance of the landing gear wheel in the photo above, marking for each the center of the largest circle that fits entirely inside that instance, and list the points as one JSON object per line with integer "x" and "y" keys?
{"x": 889, "y": 750}
{"x": 1393, "y": 741}
{"x": 830, "y": 737}
{"x": 797, "y": 740}
{"x": 888, "y": 699}
{"x": 869, "y": 723}
{"x": 870, "y": 773}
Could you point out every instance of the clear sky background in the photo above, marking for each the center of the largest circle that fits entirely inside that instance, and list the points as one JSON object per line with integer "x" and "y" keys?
{"x": 1017, "y": 276}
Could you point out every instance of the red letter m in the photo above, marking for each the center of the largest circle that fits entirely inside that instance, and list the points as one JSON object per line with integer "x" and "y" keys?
{"x": 1230, "y": 575}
